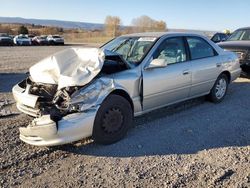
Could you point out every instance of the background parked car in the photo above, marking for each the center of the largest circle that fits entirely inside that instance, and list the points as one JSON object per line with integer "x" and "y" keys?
{"x": 40, "y": 40}
{"x": 5, "y": 40}
{"x": 22, "y": 40}
{"x": 55, "y": 39}
{"x": 219, "y": 37}
{"x": 239, "y": 42}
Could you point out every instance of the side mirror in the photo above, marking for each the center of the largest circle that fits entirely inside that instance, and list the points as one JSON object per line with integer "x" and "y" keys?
{"x": 157, "y": 63}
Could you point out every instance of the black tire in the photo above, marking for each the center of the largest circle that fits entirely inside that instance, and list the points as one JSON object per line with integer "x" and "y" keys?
{"x": 112, "y": 120}
{"x": 213, "y": 95}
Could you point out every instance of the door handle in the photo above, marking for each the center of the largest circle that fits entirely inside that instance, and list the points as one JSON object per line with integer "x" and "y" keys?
{"x": 185, "y": 72}
{"x": 218, "y": 64}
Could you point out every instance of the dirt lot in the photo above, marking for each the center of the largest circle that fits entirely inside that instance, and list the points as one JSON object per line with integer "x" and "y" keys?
{"x": 192, "y": 144}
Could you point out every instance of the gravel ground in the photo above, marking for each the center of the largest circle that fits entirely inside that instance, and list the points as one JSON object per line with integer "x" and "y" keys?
{"x": 191, "y": 144}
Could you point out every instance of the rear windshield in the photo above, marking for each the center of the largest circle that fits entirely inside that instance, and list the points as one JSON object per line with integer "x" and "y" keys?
{"x": 242, "y": 34}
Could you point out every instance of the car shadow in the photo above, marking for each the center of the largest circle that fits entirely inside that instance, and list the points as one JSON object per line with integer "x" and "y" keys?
{"x": 8, "y": 80}
{"x": 184, "y": 128}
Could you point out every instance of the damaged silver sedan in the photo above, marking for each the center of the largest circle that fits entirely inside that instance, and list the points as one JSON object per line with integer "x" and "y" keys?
{"x": 84, "y": 92}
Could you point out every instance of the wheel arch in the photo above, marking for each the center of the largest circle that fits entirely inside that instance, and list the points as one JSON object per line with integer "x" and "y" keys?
{"x": 123, "y": 94}
{"x": 227, "y": 73}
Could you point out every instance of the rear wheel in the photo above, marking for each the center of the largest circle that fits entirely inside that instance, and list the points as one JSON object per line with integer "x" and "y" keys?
{"x": 113, "y": 120}
{"x": 219, "y": 90}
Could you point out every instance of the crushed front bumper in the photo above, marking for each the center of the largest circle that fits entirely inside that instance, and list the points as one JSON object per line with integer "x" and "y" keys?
{"x": 25, "y": 101}
{"x": 45, "y": 132}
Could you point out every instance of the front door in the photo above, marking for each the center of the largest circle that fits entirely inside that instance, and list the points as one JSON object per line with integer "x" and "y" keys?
{"x": 162, "y": 86}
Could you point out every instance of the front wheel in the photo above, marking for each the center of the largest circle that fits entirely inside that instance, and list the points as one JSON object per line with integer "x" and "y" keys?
{"x": 112, "y": 120}
{"x": 219, "y": 90}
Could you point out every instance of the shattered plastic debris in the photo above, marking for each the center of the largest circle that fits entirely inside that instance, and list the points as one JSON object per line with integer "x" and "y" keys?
{"x": 5, "y": 103}
{"x": 4, "y": 112}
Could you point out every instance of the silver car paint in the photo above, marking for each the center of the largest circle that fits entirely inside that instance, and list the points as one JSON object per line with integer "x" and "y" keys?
{"x": 151, "y": 89}
{"x": 164, "y": 86}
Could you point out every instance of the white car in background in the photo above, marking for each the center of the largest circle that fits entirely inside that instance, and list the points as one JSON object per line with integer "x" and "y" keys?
{"x": 22, "y": 40}
{"x": 55, "y": 40}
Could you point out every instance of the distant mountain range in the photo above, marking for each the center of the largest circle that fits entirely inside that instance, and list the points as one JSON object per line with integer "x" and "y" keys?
{"x": 55, "y": 23}
{"x": 73, "y": 25}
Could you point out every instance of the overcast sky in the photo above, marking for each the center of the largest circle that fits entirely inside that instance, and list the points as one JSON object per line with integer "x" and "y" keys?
{"x": 182, "y": 14}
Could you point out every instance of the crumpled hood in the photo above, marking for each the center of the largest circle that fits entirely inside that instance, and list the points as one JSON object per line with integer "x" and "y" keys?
{"x": 70, "y": 67}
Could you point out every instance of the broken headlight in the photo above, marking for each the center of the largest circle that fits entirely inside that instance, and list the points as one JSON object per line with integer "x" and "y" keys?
{"x": 90, "y": 96}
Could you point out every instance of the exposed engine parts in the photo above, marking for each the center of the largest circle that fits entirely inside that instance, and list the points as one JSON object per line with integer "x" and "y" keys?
{"x": 58, "y": 103}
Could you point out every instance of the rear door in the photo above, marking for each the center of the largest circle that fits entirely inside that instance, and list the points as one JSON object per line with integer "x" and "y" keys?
{"x": 206, "y": 65}
{"x": 162, "y": 86}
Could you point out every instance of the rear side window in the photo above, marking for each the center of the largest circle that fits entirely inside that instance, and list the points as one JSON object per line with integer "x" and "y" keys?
{"x": 199, "y": 48}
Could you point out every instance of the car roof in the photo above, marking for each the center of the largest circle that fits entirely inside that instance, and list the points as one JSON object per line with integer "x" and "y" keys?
{"x": 160, "y": 34}
{"x": 243, "y": 28}
{"x": 220, "y": 33}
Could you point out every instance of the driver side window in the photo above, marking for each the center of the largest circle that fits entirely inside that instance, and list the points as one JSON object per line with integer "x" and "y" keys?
{"x": 172, "y": 50}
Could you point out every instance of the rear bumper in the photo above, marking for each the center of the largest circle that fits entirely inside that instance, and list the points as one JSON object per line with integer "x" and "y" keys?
{"x": 24, "y": 43}
{"x": 59, "y": 42}
{"x": 56, "y": 42}
{"x": 235, "y": 74}
{"x": 45, "y": 132}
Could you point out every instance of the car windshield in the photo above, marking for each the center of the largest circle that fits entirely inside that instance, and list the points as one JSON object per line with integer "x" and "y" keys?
{"x": 242, "y": 34}
{"x": 56, "y": 37}
{"x": 24, "y": 37}
{"x": 132, "y": 49}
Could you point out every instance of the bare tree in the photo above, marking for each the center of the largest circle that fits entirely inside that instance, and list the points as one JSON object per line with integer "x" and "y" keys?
{"x": 160, "y": 26}
{"x": 112, "y": 25}
{"x": 23, "y": 30}
{"x": 145, "y": 23}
